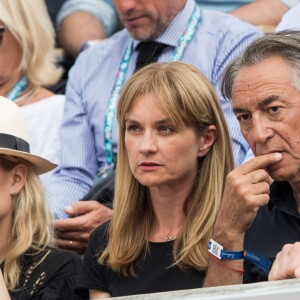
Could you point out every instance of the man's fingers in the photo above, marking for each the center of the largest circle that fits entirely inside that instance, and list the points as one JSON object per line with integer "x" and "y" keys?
{"x": 259, "y": 201}
{"x": 260, "y": 188}
{"x": 297, "y": 273}
{"x": 287, "y": 263}
{"x": 280, "y": 267}
{"x": 259, "y": 176}
{"x": 82, "y": 207}
{"x": 273, "y": 272}
{"x": 73, "y": 235}
{"x": 238, "y": 181}
{"x": 260, "y": 162}
{"x": 70, "y": 224}
{"x": 75, "y": 246}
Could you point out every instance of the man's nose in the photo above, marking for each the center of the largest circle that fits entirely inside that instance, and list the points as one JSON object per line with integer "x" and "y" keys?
{"x": 125, "y": 6}
{"x": 261, "y": 131}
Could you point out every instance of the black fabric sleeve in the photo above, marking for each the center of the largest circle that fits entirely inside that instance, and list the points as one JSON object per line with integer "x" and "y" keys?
{"x": 48, "y": 275}
{"x": 93, "y": 275}
{"x": 60, "y": 283}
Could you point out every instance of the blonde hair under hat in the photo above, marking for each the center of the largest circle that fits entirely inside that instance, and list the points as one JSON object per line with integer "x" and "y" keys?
{"x": 14, "y": 137}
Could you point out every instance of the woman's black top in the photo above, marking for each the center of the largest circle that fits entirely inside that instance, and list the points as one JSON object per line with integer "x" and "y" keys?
{"x": 48, "y": 275}
{"x": 154, "y": 273}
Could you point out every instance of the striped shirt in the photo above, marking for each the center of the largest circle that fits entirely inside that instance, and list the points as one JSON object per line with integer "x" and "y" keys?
{"x": 218, "y": 39}
{"x": 226, "y": 5}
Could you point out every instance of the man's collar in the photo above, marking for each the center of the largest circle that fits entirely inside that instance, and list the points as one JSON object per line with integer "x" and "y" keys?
{"x": 281, "y": 196}
{"x": 177, "y": 27}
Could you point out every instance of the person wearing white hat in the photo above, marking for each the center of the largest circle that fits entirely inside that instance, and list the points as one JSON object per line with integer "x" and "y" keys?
{"x": 30, "y": 265}
{"x": 28, "y": 64}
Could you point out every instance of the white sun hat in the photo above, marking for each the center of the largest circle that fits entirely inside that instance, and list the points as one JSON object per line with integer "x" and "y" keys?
{"x": 14, "y": 137}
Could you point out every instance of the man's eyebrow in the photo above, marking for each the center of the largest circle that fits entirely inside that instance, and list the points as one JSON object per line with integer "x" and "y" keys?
{"x": 267, "y": 101}
{"x": 261, "y": 104}
{"x": 239, "y": 110}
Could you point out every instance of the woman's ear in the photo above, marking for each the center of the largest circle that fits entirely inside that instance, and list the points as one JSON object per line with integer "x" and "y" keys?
{"x": 19, "y": 174}
{"x": 206, "y": 140}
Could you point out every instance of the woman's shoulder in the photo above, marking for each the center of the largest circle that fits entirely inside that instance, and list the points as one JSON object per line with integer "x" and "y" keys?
{"x": 51, "y": 271}
{"x": 64, "y": 258}
{"x": 52, "y": 262}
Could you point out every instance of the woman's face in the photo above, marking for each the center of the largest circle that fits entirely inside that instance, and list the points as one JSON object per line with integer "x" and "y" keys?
{"x": 160, "y": 152}
{"x": 6, "y": 201}
{"x": 10, "y": 58}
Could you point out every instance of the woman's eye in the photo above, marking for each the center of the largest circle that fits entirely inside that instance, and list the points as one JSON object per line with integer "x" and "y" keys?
{"x": 166, "y": 129}
{"x": 133, "y": 128}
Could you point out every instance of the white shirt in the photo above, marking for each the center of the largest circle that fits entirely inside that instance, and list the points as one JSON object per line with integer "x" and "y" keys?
{"x": 43, "y": 119}
{"x": 290, "y": 20}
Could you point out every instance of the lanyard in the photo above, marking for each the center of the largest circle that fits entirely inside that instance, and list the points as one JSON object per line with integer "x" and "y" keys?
{"x": 183, "y": 42}
{"x": 17, "y": 89}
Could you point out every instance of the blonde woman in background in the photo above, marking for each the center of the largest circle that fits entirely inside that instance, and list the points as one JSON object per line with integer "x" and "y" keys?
{"x": 30, "y": 265}
{"x": 173, "y": 157}
{"x": 27, "y": 64}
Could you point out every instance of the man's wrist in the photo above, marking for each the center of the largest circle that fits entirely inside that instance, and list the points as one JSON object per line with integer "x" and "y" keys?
{"x": 231, "y": 241}
{"x": 217, "y": 252}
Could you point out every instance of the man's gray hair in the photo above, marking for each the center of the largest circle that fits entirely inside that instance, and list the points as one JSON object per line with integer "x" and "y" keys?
{"x": 285, "y": 44}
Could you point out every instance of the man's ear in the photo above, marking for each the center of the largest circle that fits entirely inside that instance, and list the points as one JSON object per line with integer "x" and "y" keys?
{"x": 19, "y": 174}
{"x": 207, "y": 140}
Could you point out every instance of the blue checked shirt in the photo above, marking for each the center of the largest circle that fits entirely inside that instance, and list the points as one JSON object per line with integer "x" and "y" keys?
{"x": 219, "y": 38}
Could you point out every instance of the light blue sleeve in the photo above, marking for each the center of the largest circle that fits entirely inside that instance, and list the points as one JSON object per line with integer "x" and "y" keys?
{"x": 235, "y": 37}
{"x": 222, "y": 5}
{"x": 290, "y": 20}
{"x": 75, "y": 174}
{"x": 290, "y": 3}
{"x": 226, "y": 6}
{"x": 103, "y": 10}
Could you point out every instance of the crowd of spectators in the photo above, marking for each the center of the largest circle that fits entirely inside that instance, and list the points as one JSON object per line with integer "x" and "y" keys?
{"x": 64, "y": 63}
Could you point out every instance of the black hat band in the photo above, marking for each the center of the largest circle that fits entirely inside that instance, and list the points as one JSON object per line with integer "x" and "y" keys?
{"x": 13, "y": 142}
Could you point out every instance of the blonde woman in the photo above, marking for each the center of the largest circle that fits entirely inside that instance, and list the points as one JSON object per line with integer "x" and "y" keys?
{"x": 174, "y": 154}
{"x": 27, "y": 64}
{"x": 31, "y": 266}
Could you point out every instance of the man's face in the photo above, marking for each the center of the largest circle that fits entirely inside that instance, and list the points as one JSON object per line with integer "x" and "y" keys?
{"x": 146, "y": 19}
{"x": 267, "y": 105}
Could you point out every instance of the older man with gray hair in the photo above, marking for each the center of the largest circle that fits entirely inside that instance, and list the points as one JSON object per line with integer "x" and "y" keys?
{"x": 260, "y": 210}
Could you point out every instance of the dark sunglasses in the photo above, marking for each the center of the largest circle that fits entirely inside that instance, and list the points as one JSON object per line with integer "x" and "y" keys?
{"x": 2, "y": 29}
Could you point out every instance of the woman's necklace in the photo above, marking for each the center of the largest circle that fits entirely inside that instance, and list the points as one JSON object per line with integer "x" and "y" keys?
{"x": 17, "y": 89}
{"x": 167, "y": 238}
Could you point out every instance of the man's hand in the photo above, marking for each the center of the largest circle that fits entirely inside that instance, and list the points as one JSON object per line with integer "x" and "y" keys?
{"x": 76, "y": 29}
{"x": 73, "y": 233}
{"x": 246, "y": 190}
{"x": 287, "y": 263}
{"x": 261, "y": 12}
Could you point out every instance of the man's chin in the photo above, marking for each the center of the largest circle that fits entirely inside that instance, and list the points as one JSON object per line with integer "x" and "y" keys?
{"x": 277, "y": 174}
{"x": 142, "y": 35}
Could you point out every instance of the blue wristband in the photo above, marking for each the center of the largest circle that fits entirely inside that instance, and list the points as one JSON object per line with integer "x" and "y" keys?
{"x": 217, "y": 250}
{"x": 258, "y": 260}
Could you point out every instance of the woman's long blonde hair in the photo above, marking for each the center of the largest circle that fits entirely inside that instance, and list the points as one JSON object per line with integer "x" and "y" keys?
{"x": 31, "y": 26}
{"x": 32, "y": 221}
{"x": 188, "y": 98}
